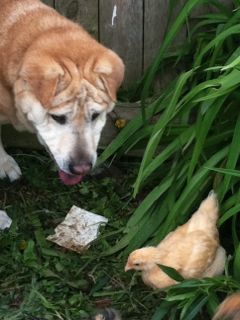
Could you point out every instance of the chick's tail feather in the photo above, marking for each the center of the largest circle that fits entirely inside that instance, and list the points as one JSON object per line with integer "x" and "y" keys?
{"x": 229, "y": 309}
{"x": 107, "y": 314}
{"x": 207, "y": 213}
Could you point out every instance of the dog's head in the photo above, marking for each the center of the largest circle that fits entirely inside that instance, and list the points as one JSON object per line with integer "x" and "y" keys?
{"x": 66, "y": 103}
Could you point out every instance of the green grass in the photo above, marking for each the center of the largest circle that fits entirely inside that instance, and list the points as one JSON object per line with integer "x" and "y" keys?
{"x": 42, "y": 280}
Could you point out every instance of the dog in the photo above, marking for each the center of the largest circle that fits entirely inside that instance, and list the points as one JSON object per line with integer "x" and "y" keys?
{"x": 57, "y": 82}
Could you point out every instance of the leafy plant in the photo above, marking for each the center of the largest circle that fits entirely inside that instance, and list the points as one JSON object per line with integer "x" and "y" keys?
{"x": 193, "y": 298}
{"x": 197, "y": 127}
{"x": 190, "y": 135}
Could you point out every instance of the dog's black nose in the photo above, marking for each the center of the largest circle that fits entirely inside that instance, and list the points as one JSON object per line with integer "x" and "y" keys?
{"x": 82, "y": 168}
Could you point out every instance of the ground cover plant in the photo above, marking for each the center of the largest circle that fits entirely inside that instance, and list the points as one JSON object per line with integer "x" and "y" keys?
{"x": 42, "y": 281}
{"x": 190, "y": 134}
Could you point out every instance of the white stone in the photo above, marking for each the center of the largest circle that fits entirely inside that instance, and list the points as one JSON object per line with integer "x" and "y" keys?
{"x": 5, "y": 220}
{"x": 78, "y": 230}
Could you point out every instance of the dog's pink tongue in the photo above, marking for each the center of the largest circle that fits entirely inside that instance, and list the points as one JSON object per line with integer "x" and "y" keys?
{"x": 69, "y": 179}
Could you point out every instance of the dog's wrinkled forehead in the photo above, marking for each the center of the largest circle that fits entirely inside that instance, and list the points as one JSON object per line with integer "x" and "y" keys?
{"x": 87, "y": 99}
{"x": 54, "y": 82}
{"x": 90, "y": 93}
{"x": 84, "y": 97}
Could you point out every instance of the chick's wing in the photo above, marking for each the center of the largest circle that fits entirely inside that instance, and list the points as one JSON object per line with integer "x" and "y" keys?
{"x": 189, "y": 253}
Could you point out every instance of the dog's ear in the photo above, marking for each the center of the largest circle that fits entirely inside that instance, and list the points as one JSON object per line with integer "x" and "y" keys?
{"x": 110, "y": 72}
{"x": 44, "y": 88}
{"x": 44, "y": 78}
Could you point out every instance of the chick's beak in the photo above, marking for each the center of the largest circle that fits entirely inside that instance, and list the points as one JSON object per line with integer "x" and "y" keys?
{"x": 127, "y": 267}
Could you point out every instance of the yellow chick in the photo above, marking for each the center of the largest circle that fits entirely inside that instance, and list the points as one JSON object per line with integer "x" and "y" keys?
{"x": 192, "y": 249}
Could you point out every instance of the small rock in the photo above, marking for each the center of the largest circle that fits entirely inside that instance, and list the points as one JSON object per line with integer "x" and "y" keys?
{"x": 5, "y": 220}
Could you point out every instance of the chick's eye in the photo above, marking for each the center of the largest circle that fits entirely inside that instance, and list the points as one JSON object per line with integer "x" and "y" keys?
{"x": 61, "y": 119}
{"x": 94, "y": 116}
{"x": 137, "y": 264}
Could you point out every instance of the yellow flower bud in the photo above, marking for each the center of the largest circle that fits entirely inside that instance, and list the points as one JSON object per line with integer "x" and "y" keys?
{"x": 120, "y": 123}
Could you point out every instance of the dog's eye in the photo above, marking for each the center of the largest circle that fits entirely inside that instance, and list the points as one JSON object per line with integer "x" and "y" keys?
{"x": 60, "y": 119}
{"x": 95, "y": 115}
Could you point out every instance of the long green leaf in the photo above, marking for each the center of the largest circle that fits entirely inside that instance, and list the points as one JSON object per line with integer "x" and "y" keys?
{"x": 172, "y": 273}
{"x": 172, "y": 32}
{"x": 221, "y": 37}
{"x": 163, "y": 310}
{"x": 232, "y": 159}
{"x": 236, "y": 263}
{"x": 190, "y": 193}
{"x": 202, "y": 130}
{"x": 131, "y": 128}
{"x": 195, "y": 307}
{"x": 229, "y": 214}
{"x": 168, "y": 152}
{"x": 148, "y": 201}
{"x": 235, "y": 173}
{"x": 160, "y": 127}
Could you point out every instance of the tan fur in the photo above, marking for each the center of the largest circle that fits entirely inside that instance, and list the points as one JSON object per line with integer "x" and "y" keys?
{"x": 47, "y": 59}
{"x": 229, "y": 308}
{"x": 192, "y": 249}
{"x": 31, "y": 31}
